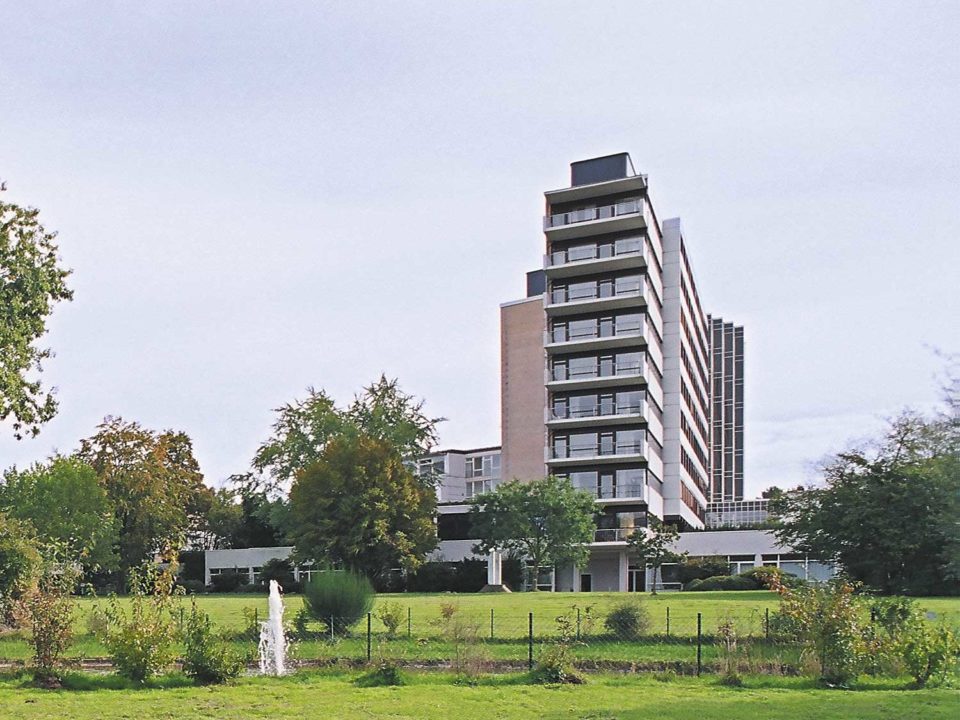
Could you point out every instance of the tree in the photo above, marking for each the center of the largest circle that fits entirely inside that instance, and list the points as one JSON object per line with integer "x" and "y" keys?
{"x": 361, "y": 507}
{"x": 246, "y": 517}
{"x": 887, "y": 515}
{"x": 547, "y": 522}
{"x": 66, "y": 505}
{"x": 19, "y": 565}
{"x": 305, "y": 427}
{"x": 153, "y": 483}
{"x": 654, "y": 546}
{"x": 31, "y": 282}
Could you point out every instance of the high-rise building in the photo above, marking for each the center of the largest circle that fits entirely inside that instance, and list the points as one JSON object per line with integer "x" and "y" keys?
{"x": 726, "y": 399}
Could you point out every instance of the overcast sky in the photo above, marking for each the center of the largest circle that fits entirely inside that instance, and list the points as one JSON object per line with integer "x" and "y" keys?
{"x": 259, "y": 197}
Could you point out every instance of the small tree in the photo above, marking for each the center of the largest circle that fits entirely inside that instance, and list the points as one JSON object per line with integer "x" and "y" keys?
{"x": 547, "y": 522}
{"x": 19, "y": 566}
{"x": 653, "y": 546}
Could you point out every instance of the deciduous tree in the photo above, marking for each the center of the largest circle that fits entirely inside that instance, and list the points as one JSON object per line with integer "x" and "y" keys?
{"x": 31, "y": 283}
{"x": 546, "y": 521}
{"x": 654, "y": 545}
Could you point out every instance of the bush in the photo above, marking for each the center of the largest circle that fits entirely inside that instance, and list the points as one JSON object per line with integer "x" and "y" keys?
{"x": 893, "y": 614}
{"x": 391, "y": 614}
{"x": 48, "y": 609}
{"x": 702, "y": 567}
{"x": 192, "y": 587}
{"x": 555, "y": 665}
{"x": 338, "y": 598}
{"x": 279, "y": 570}
{"x": 770, "y": 577}
{"x": 228, "y": 581}
{"x": 19, "y": 565}
{"x": 628, "y": 620}
{"x": 386, "y": 673}
{"x": 723, "y": 582}
{"x": 828, "y": 623}
{"x": 140, "y": 644}
{"x": 207, "y": 658}
{"x": 928, "y": 652}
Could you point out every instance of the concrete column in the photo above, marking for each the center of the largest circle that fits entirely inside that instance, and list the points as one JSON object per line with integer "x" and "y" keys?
{"x": 495, "y": 568}
{"x": 624, "y": 570}
{"x": 758, "y": 560}
{"x": 575, "y": 580}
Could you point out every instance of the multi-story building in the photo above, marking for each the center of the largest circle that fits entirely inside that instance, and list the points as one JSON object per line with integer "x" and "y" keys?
{"x": 615, "y": 325}
{"x": 726, "y": 397}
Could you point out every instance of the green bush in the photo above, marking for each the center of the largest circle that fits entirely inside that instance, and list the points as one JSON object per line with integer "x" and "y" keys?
{"x": 192, "y": 587}
{"x": 770, "y": 577}
{"x": 722, "y": 582}
{"x": 228, "y": 581}
{"x": 392, "y": 615}
{"x": 207, "y": 658}
{"x": 279, "y": 570}
{"x": 140, "y": 642}
{"x": 928, "y": 652}
{"x": 893, "y": 614}
{"x": 338, "y": 598}
{"x": 628, "y": 619}
{"x": 690, "y": 569}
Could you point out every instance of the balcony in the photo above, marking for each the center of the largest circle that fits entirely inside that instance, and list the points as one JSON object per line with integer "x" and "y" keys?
{"x": 605, "y": 535}
{"x": 594, "y": 454}
{"x": 622, "y": 335}
{"x": 635, "y": 492}
{"x": 563, "y": 378}
{"x": 625, "y": 215}
{"x": 602, "y": 414}
{"x": 621, "y": 255}
{"x": 602, "y": 296}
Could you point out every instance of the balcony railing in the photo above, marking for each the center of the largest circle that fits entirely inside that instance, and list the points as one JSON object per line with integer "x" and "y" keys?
{"x": 633, "y": 490}
{"x": 613, "y": 534}
{"x": 601, "y": 410}
{"x": 561, "y": 372}
{"x": 601, "y": 450}
{"x": 562, "y": 334}
{"x": 597, "y": 292}
{"x": 627, "y": 207}
{"x": 595, "y": 252}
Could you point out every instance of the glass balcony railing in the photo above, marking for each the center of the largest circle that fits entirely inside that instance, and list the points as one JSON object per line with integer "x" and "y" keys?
{"x": 597, "y": 292}
{"x": 565, "y": 334}
{"x": 580, "y": 253}
{"x": 563, "y": 372}
{"x": 634, "y": 490}
{"x": 613, "y": 534}
{"x": 601, "y": 410}
{"x": 627, "y": 207}
{"x": 563, "y": 452}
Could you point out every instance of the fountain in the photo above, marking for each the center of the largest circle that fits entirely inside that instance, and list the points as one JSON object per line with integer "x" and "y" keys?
{"x": 273, "y": 643}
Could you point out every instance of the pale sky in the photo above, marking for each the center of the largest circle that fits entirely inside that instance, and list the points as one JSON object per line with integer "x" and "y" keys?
{"x": 259, "y": 197}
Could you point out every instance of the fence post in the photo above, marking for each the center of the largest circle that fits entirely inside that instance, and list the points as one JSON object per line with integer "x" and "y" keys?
{"x": 369, "y": 632}
{"x": 578, "y": 623}
{"x": 409, "y": 623}
{"x": 256, "y": 618}
{"x": 331, "y": 628}
{"x": 699, "y": 643}
{"x": 668, "y": 621}
{"x": 491, "y": 623}
{"x": 530, "y": 644}
{"x": 766, "y": 625}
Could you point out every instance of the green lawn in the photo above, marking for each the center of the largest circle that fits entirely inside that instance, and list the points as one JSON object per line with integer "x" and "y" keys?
{"x": 333, "y": 695}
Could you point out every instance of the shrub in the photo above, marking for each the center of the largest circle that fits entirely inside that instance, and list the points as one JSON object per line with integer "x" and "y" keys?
{"x": 207, "y": 658}
{"x": 279, "y": 570}
{"x": 140, "y": 643}
{"x": 770, "y": 577}
{"x": 690, "y": 569}
{"x": 386, "y": 673}
{"x": 722, "y": 582}
{"x": 893, "y": 614}
{"x": 829, "y": 626}
{"x": 48, "y": 609}
{"x": 555, "y": 664}
{"x": 192, "y": 587}
{"x": 729, "y": 654}
{"x": 228, "y": 581}
{"x": 469, "y": 658}
{"x": 432, "y": 577}
{"x": 338, "y": 598}
{"x": 928, "y": 652}
{"x": 628, "y": 619}
{"x": 19, "y": 566}
{"x": 391, "y": 614}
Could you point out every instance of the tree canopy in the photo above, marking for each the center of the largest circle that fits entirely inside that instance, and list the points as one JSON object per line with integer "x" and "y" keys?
{"x": 361, "y": 507}
{"x": 887, "y": 514}
{"x": 153, "y": 483}
{"x": 546, "y": 521}
{"x": 66, "y": 505}
{"x": 654, "y": 546}
{"x": 304, "y": 428}
{"x": 31, "y": 283}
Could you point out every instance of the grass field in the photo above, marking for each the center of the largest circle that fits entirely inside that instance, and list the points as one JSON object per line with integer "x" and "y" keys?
{"x": 435, "y": 696}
